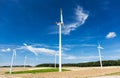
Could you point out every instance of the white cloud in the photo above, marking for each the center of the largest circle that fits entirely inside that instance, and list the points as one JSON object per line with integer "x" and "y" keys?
{"x": 88, "y": 45}
{"x": 36, "y": 51}
{"x": 70, "y": 45}
{"x": 81, "y": 17}
{"x": 89, "y": 57}
{"x": 71, "y": 57}
{"x": 65, "y": 48}
{"x": 117, "y": 50}
{"x": 5, "y": 50}
{"x": 40, "y": 45}
{"x": 114, "y": 57}
{"x": 111, "y": 35}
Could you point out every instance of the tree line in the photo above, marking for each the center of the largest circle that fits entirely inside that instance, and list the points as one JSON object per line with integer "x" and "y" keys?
{"x": 87, "y": 64}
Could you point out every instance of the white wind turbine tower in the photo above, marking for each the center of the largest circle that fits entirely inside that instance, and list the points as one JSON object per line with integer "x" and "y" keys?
{"x": 60, "y": 24}
{"x": 99, "y": 51}
{"x": 25, "y": 60}
{"x": 12, "y": 60}
{"x": 55, "y": 60}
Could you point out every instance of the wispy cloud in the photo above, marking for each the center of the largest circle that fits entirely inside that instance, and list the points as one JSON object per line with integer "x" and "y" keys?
{"x": 114, "y": 57}
{"x": 36, "y": 51}
{"x": 80, "y": 18}
{"x": 88, "y": 45}
{"x": 40, "y": 45}
{"x": 70, "y": 45}
{"x": 55, "y": 46}
{"x": 111, "y": 35}
{"x": 117, "y": 50}
{"x": 5, "y": 50}
{"x": 71, "y": 57}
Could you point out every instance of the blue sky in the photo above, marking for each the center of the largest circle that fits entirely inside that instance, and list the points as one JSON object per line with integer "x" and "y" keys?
{"x": 33, "y": 22}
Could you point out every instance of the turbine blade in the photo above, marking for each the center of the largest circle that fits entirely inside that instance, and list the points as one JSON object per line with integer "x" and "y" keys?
{"x": 61, "y": 16}
{"x": 24, "y": 44}
{"x": 98, "y": 44}
{"x": 14, "y": 53}
{"x": 101, "y": 48}
{"x": 30, "y": 48}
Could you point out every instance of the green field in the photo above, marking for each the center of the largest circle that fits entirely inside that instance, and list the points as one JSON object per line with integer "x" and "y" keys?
{"x": 36, "y": 71}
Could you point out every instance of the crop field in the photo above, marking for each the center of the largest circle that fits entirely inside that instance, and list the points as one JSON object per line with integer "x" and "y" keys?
{"x": 68, "y": 72}
{"x": 37, "y": 71}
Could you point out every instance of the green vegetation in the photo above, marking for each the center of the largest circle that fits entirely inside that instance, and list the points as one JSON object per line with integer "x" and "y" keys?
{"x": 88, "y": 64}
{"x": 37, "y": 71}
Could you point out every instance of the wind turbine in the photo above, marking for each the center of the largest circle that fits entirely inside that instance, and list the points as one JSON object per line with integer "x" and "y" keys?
{"x": 55, "y": 60}
{"x": 25, "y": 59}
{"x": 12, "y": 60}
{"x": 99, "y": 49}
{"x": 60, "y": 24}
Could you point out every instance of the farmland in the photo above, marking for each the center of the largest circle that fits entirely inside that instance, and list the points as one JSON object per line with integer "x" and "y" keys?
{"x": 75, "y": 72}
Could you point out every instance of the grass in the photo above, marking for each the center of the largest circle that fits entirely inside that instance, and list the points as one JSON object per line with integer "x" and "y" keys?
{"x": 36, "y": 71}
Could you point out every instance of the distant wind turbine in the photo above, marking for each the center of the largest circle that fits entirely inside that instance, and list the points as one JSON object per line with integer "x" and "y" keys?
{"x": 55, "y": 60}
{"x": 60, "y": 24}
{"x": 99, "y": 51}
{"x": 25, "y": 60}
{"x": 12, "y": 60}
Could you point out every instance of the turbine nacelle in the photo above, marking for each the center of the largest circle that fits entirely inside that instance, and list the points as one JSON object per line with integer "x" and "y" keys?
{"x": 59, "y": 23}
{"x": 99, "y": 47}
